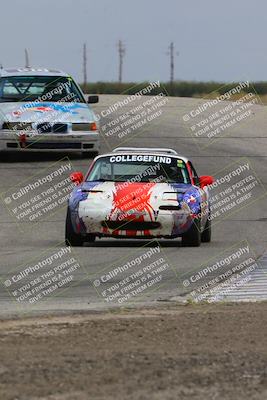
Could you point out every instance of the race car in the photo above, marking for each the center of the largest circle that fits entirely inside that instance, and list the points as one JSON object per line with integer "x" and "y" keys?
{"x": 45, "y": 110}
{"x": 139, "y": 193}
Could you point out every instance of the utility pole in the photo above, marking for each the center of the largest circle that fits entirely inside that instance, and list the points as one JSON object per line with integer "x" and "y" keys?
{"x": 171, "y": 63}
{"x": 121, "y": 49}
{"x": 171, "y": 54}
{"x": 27, "y": 61}
{"x": 84, "y": 65}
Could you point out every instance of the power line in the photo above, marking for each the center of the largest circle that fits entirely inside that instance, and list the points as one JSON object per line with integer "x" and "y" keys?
{"x": 121, "y": 49}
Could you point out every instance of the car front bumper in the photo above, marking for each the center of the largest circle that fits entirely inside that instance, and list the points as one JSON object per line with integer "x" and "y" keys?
{"x": 64, "y": 142}
{"x": 96, "y": 220}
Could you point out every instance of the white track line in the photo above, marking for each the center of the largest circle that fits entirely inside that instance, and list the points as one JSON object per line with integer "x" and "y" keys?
{"x": 253, "y": 290}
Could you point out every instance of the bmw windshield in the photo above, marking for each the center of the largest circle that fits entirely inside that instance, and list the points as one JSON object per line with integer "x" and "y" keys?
{"x": 139, "y": 168}
{"x": 39, "y": 88}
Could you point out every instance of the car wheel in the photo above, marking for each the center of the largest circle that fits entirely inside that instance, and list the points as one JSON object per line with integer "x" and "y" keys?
{"x": 71, "y": 237}
{"x": 206, "y": 234}
{"x": 90, "y": 238}
{"x": 192, "y": 237}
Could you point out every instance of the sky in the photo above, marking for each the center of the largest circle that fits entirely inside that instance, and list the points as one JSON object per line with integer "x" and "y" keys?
{"x": 214, "y": 39}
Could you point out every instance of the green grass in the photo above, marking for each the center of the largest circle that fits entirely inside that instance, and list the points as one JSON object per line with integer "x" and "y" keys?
{"x": 179, "y": 88}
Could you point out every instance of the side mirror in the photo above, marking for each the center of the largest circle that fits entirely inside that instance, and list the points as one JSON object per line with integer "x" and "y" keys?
{"x": 205, "y": 180}
{"x": 92, "y": 99}
{"x": 76, "y": 178}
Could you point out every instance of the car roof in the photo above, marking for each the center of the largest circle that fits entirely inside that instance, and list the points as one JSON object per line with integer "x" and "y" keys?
{"x": 5, "y": 72}
{"x": 144, "y": 151}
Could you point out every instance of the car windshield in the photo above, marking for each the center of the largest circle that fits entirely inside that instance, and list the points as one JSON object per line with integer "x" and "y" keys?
{"x": 139, "y": 168}
{"x": 39, "y": 88}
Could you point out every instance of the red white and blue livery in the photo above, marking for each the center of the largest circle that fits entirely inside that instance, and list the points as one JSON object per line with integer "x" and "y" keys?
{"x": 139, "y": 193}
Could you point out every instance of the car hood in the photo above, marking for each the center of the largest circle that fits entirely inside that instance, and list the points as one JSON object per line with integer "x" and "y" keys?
{"x": 125, "y": 195}
{"x": 47, "y": 111}
{"x": 129, "y": 187}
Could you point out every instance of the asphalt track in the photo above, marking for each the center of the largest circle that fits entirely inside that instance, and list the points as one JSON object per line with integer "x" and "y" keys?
{"x": 245, "y": 139}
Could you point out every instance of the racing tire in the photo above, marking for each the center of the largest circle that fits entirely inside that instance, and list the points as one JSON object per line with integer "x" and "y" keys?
{"x": 90, "y": 238}
{"x": 192, "y": 238}
{"x": 206, "y": 234}
{"x": 71, "y": 237}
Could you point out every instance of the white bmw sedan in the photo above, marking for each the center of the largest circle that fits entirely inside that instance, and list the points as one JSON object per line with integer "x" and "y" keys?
{"x": 45, "y": 110}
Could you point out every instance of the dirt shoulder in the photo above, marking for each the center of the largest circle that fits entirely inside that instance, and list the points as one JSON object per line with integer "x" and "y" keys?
{"x": 175, "y": 352}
